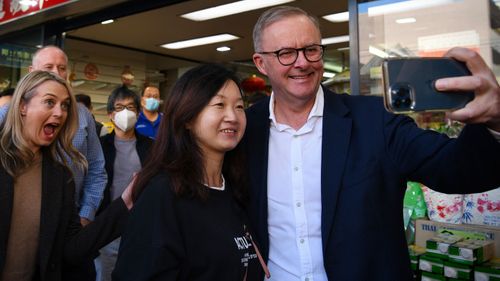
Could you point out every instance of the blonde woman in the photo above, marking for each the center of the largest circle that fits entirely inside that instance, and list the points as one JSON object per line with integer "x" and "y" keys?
{"x": 40, "y": 232}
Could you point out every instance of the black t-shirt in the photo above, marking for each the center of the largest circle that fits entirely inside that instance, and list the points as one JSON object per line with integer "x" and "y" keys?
{"x": 172, "y": 238}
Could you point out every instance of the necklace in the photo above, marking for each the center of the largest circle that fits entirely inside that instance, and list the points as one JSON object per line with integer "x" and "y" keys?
{"x": 221, "y": 188}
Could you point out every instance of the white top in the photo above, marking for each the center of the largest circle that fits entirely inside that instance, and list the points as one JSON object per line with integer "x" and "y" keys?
{"x": 294, "y": 198}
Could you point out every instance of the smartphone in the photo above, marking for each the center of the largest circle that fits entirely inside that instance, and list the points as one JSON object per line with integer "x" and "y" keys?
{"x": 408, "y": 84}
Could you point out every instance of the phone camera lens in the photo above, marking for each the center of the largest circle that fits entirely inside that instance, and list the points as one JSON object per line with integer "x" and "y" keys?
{"x": 401, "y": 96}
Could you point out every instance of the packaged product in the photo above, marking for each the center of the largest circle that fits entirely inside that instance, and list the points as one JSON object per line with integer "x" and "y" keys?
{"x": 427, "y": 276}
{"x": 489, "y": 271}
{"x": 431, "y": 264}
{"x": 482, "y": 208}
{"x": 471, "y": 251}
{"x": 458, "y": 271}
{"x": 438, "y": 245}
{"x": 442, "y": 207}
{"x": 415, "y": 253}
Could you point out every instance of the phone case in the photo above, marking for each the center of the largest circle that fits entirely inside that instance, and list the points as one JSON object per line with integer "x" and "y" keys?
{"x": 408, "y": 84}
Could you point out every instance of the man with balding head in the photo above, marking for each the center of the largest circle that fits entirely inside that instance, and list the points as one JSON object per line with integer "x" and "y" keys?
{"x": 89, "y": 186}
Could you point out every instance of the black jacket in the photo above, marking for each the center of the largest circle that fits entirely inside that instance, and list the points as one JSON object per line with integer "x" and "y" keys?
{"x": 63, "y": 243}
{"x": 143, "y": 145}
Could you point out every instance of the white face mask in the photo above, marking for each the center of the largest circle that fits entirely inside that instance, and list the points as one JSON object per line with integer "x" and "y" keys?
{"x": 125, "y": 119}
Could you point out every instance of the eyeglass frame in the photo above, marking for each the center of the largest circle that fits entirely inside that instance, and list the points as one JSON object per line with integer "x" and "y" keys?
{"x": 130, "y": 107}
{"x": 303, "y": 49}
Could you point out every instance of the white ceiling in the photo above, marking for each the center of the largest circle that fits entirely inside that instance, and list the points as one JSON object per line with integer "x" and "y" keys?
{"x": 148, "y": 30}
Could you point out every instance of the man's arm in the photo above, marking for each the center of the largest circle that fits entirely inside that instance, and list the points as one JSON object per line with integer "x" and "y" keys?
{"x": 95, "y": 180}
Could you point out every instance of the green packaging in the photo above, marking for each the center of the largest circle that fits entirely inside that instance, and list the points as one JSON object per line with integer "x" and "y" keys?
{"x": 471, "y": 251}
{"x": 427, "y": 276}
{"x": 458, "y": 270}
{"x": 438, "y": 245}
{"x": 489, "y": 271}
{"x": 431, "y": 264}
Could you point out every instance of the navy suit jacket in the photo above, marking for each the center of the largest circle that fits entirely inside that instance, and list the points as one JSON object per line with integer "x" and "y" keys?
{"x": 368, "y": 155}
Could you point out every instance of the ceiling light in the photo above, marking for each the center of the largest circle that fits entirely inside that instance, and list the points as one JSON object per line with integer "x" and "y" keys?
{"x": 406, "y": 20}
{"x": 231, "y": 8}
{"x": 200, "y": 41}
{"x": 405, "y": 6}
{"x": 338, "y": 17}
{"x": 343, "y": 49}
{"x": 334, "y": 40}
{"x": 327, "y": 74}
{"x": 223, "y": 49}
{"x": 107, "y": 21}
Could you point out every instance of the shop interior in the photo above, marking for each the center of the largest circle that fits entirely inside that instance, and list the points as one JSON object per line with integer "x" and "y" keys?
{"x": 99, "y": 54}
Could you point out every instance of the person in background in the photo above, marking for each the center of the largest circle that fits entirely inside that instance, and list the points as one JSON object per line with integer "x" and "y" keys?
{"x": 6, "y": 96}
{"x": 41, "y": 237}
{"x": 87, "y": 102}
{"x": 328, "y": 172}
{"x": 125, "y": 152}
{"x": 149, "y": 117}
{"x": 188, "y": 222}
{"x": 89, "y": 186}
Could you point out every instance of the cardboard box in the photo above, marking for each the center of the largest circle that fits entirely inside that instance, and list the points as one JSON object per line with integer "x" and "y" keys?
{"x": 427, "y": 276}
{"x": 438, "y": 245}
{"x": 431, "y": 264}
{"x": 489, "y": 271}
{"x": 426, "y": 229}
{"x": 471, "y": 251}
{"x": 457, "y": 271}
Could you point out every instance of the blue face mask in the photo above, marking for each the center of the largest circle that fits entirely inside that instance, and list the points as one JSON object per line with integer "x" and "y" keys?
{"x": 152, "y": 104}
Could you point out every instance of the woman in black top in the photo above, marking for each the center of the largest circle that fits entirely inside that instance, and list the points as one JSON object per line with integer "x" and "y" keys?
{"x": 188, "y": 222}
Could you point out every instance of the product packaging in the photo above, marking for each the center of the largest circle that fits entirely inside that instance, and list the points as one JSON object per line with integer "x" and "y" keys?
{"x": 458, "y": 271}
{"x": 489, "y": 271}
{"x": 471, "y": 251}
{"x": 431, "y": 264}
{"x": 427, "y": 276}
{"x": 438, "y": 245}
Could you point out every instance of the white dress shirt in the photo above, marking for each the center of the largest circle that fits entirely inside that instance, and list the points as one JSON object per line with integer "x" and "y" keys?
{"x": 294, "y": 198}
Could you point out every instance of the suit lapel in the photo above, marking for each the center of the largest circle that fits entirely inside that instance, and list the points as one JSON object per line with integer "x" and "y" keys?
{"x": 51, "y": 207}
{"x": 335, "y": 145}
{"x": 257, "y": 143}
{"x": 6, "y": 201}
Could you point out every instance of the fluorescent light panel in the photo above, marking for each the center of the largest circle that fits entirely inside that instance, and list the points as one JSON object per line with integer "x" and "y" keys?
{"x": 223, "y": 49}
{"x": 107, "y": 21}
{"x": 200, "y": 41}
{"x": 338, "y": 17}
{"x": 406, "y": 6}
{"x": 232, "y": 8}
{"x": 377, "y": 52}
{"x": 334, "y": 40}
{"x": 406, "y": 20}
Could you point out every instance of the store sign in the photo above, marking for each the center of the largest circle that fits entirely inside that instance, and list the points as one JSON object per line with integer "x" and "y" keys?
{"x": 16, "y": 56}
{"x": 13, "y": 9}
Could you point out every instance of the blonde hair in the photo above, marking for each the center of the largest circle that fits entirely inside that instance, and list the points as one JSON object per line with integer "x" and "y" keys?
{"x": 14, "y": 150}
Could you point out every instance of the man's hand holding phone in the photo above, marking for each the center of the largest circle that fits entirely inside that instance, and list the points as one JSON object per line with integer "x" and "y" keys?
{"x": 485, "y": 107}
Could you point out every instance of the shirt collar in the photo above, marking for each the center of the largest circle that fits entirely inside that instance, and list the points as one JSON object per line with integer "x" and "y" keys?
{"x": 316, "y": 111}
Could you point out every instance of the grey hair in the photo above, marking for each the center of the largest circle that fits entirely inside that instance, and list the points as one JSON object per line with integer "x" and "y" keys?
{"x": 276, "y": 14}
{"x": 35, "y": 55}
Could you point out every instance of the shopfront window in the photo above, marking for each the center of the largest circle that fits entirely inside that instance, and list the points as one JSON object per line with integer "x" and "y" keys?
{"x": 402, "y": 28}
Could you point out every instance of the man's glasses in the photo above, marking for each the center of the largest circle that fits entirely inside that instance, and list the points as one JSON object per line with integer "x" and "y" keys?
{"x": 288, "y": 56}
{"x": 130, "y": 107}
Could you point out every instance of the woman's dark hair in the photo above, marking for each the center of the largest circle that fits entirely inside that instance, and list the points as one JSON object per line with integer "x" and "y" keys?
{"x": 176, "y": 151}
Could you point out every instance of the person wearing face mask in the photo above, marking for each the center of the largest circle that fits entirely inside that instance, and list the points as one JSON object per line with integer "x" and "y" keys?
{"x": 124, "y": 152}
{"x": 149, "y": 117}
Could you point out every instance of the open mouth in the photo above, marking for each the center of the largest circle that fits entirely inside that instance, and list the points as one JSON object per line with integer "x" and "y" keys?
{"x": 50, "y": 129}
{"x": 230, "y": 131}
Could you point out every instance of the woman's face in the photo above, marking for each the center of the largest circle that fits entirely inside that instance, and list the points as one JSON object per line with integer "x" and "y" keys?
{"x": 220, "y": 125}
{"x": 45, "y": 114}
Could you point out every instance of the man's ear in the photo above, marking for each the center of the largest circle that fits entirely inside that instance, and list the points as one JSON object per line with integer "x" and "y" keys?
{"x": 30, "y": 68}
{"x": 259, "y": 63}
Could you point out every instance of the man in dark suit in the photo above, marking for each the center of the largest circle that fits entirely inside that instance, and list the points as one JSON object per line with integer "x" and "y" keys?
{"x": 328, "y": 172}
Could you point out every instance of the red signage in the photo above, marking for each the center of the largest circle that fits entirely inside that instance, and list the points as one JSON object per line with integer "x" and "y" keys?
{"x": 12, "y": 9}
